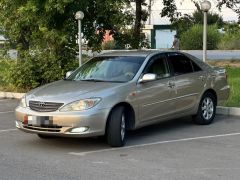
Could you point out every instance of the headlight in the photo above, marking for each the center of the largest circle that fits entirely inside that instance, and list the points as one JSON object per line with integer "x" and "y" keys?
{"x": 81, "y": 104}
{"x": 23, "y": 102}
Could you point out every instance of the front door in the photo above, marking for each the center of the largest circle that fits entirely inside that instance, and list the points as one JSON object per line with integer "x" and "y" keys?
{"x": 154, "y": 98}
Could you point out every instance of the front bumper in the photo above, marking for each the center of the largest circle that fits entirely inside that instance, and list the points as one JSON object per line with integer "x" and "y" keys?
{"x": 93, "y": 121}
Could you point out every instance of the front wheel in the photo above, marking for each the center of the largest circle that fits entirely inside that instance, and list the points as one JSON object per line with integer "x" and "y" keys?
{"x": 116, "y": 129}
{"x": 206, "y": 110}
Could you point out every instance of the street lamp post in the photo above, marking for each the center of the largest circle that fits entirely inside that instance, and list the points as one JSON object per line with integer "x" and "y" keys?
{"x": 205, "y": 6}
{"x": 79, "y": 17}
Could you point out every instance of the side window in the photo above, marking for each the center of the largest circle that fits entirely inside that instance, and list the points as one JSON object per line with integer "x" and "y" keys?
{"x": 158, "y": 65}
{"x": 180, "y": 64}
{"x": 196, "y": 67}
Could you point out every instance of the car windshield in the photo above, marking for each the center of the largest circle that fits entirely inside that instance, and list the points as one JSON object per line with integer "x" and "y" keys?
{"x": 108, "y": 69}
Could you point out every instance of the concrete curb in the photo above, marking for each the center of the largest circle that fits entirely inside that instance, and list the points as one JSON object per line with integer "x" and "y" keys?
{"x": 11, "y": 95}
{"x": 229, "y": 111}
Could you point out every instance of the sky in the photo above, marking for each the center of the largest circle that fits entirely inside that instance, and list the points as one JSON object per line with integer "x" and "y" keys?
{"x": 187, "y": 7}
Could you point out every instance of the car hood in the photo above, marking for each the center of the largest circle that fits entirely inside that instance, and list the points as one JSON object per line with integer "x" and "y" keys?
{"x": 67, "y": 91}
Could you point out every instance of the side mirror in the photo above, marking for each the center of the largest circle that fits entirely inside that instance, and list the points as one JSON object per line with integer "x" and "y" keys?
{"x": 148, "y": 77}
{"x": 68, "y": 73}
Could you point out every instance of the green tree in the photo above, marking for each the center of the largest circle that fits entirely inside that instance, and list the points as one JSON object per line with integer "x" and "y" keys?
{"x": 170, "y": 8}
{"x": 230, "y": 38}
{"x": 51, "y": 23}
{"x": 231, "y": 4}
{"x": 192, "y": 38}
{"x": 44, "y": 32}
{"x": 186, "y": 21}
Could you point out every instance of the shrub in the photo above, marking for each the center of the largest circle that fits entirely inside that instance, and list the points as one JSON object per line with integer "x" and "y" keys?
{"x": 5, "y": 65}
{"x": 192, "y": 39}
{"x": 108, "y": 45}
{"x": 230, "y": 41}
{"x": 35, "y": 69}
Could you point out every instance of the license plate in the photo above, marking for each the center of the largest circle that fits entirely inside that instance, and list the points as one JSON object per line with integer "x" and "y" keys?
{"x": 39, "y": 120}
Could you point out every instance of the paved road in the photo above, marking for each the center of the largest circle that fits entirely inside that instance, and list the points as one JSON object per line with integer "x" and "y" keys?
{"x": 172, "y": 150}
{"x": 217, "y": 55}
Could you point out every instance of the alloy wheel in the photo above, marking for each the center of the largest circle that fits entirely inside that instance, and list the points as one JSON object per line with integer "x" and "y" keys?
{"x": 123, "y": 127}
{"x": 207, "y": 108}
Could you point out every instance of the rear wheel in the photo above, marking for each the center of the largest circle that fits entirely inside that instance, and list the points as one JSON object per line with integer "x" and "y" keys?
{"x": 206, "y": 110}
{"x": 116, "y": 129}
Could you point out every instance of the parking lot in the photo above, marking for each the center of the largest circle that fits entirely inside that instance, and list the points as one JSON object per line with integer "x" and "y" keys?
{"x": 176, "y": 149}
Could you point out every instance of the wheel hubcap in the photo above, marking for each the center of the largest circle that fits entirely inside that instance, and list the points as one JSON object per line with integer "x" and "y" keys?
{"x": 123, "y": 127}
{"x": 207, "y": 108}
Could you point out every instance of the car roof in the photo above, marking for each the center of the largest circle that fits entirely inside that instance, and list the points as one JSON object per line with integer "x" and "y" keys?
{"x": 145, "y": 53}
{"x": 141, "y": 53}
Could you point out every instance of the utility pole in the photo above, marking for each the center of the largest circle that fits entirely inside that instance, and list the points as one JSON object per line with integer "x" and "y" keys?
{"x": 205, "y": 6}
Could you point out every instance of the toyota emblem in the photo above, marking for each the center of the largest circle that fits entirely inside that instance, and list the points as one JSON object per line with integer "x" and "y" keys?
{"x": 41, "y": 104}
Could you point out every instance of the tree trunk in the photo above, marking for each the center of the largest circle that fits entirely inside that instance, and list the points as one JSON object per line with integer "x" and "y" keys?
{"x": 137, "y": 27}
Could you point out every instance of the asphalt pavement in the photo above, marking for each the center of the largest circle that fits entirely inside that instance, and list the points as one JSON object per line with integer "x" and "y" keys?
{"x": 175, "y": 150}
{"x": 217, "y": 54}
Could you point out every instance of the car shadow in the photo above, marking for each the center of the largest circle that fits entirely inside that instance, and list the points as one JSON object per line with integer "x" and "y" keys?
{"x": 162, "y": 131}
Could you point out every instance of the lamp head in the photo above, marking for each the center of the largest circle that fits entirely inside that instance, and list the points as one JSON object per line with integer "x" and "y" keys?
{"x": 205, "y": 6}
{"x": 79, "y": 15}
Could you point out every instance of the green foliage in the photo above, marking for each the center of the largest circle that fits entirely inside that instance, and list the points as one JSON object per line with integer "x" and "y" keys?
{"x": 233, "y": 80}
{"x": 45, "y": 34}
{"x": 4, "y": 69}
{"x": 212, "y": 18}
{"x": 231, "y": 4}
{"x": 37, "y": 69}
{"x": 108, "y": 45}
{"x": 192, "y": 38}
{"x": 231, "y": 38}
{"x": 170, "y": 10}
{"x": 230, "y": 42}
{"x": 51, "y": 24}
{"x": 186, "y": 21}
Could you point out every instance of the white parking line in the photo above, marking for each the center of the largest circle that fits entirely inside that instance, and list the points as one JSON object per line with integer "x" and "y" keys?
{"x": 5, "y": 112}
{"x": 151, "y": 144}
{"x": 7, "y": 130}
{"x": 3, "y": 100}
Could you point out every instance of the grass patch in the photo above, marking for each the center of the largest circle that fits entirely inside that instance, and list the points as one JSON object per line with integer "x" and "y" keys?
{"x": 233, "y": 71}
{"x": 234, "y": 82}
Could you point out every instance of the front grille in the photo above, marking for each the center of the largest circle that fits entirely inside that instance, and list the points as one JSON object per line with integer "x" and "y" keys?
{"x": 44, "y": 106}
{"x": 45, "y": 128}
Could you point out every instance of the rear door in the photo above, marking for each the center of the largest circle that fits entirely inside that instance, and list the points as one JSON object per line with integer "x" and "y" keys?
{"x": 189, "y": 82}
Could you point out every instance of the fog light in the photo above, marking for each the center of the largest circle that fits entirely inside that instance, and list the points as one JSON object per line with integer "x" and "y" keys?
{"x": 79, "y": 130}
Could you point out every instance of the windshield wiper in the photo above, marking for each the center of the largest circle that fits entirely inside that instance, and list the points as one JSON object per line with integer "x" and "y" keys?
{"x": 99, "y": 80}
{"x": 93, "y": 80}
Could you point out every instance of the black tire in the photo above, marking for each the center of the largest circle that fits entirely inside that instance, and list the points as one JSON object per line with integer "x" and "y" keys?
{"x": 43, "y": 136}
{"x": 116, "y": 129}
{"x": 206, "y": 110}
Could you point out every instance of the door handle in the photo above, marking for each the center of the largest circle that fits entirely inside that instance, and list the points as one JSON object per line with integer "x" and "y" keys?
{"x": 201, "y": 77}
{"x": 171, "y": 84}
